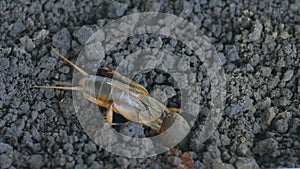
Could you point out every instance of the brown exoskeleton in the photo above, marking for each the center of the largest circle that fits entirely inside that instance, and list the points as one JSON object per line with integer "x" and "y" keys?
{"x": 123, "y": 96}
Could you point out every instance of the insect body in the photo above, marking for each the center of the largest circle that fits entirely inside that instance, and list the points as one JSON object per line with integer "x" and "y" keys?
{"x": 122, "y": 96}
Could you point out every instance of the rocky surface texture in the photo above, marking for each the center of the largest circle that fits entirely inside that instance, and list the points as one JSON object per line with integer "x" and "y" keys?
{"x": 258, "y": 42}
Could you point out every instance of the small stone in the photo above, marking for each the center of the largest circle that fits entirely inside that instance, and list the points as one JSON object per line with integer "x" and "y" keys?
{"x": 36, "y": 161}
{"x": 246, "y": 163}
{"x": 40, "y": 35}
{"x": 266, "y": 71}
{"x": 62, "y": 40}
{"x": 222, "y": 58}
{"x": 273, "y": 82}
{"x": 174, "y": 160}
{"x": 249, "y": 68}
{"x": 68, "y": 148}
{"x": 132, "y": 129}
{"x": 83, "y": 34}
{"x": 40, "y": 106}
{"x": 5, "y": 161}
{"x": 169, "y": 91}
{"x": 256, "y": 34}
{"x": 11, "y": 139}
{"x": 35, "y": 134}
{"x": 284, "y": 115}
{"x": 44, "y": 74}
{"x": 4, "y": 63}
{"x": 160, "y": 79}
{"x": 281, "y": 125}
{"x": 267, "y": 146}
{"x": 264, "y": 104}
{"x": 27, "y": 139}
{"x": 5, "y": 147}
{"x": 34, "y": 115}
{"x": 269, "y": 116}
{"x": 221, "y": 165}
{"x": 116, "y": 9}
{"x": 123, "y": 162}
{"x": 243, "y": 150}
{"x": 156, "y": 43}
{"x": 18, "y": 28}
{"x": 27, "y": 42}
{"x": 18, "y": 127}
{"x": 288, "y": 75}
{"x": 159, "y": 95}
{"x": 90, "y": 147}
{"x": 91, "y": 159}
{"x": 234, "y": 56}
{"x": 233, "y": 110}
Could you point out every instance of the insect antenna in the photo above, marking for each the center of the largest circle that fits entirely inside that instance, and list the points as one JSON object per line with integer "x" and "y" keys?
{"x": 72, "y": 64}
{"x": 60, "y": 87}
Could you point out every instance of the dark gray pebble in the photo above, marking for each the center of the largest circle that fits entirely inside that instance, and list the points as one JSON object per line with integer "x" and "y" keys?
{"x": 268, "y": 146}
{"x": 36, "y": 161}
{"x": 122, "y": 162}
{"x": 116, "y": 9}
{"x": 5, "y": 161}
{"x": 174, "y": 160}
{"x": 281, "y": 125}
{"x": 18, "y": 28}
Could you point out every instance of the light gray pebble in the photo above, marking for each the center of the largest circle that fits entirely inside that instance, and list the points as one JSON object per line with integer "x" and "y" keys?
{"x": 288, "y": 75}
{"x": 83, "y": 34}
{"x": 18, "y": 28}
{"x": 222, "y": 58}
{"x": 256, "y": 34}
{"x": 169, "y": 91}
{"x": 273, "y": 82}
{"x": 268, "y": 116}
{"x": 262, "y": 105}
{"x": 34, "y": 115}
{"x": 27, "y": 42}
{"x": 62, "y": 40}
{"x": 132, "y": 129}
{"x": 42, "y": 34}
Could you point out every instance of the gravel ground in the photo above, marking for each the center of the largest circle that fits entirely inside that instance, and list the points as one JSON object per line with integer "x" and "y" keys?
{"x": 258, "y": 43}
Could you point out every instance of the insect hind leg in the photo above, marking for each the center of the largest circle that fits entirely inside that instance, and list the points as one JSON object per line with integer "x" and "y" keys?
{"x": 125, "y": 80}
